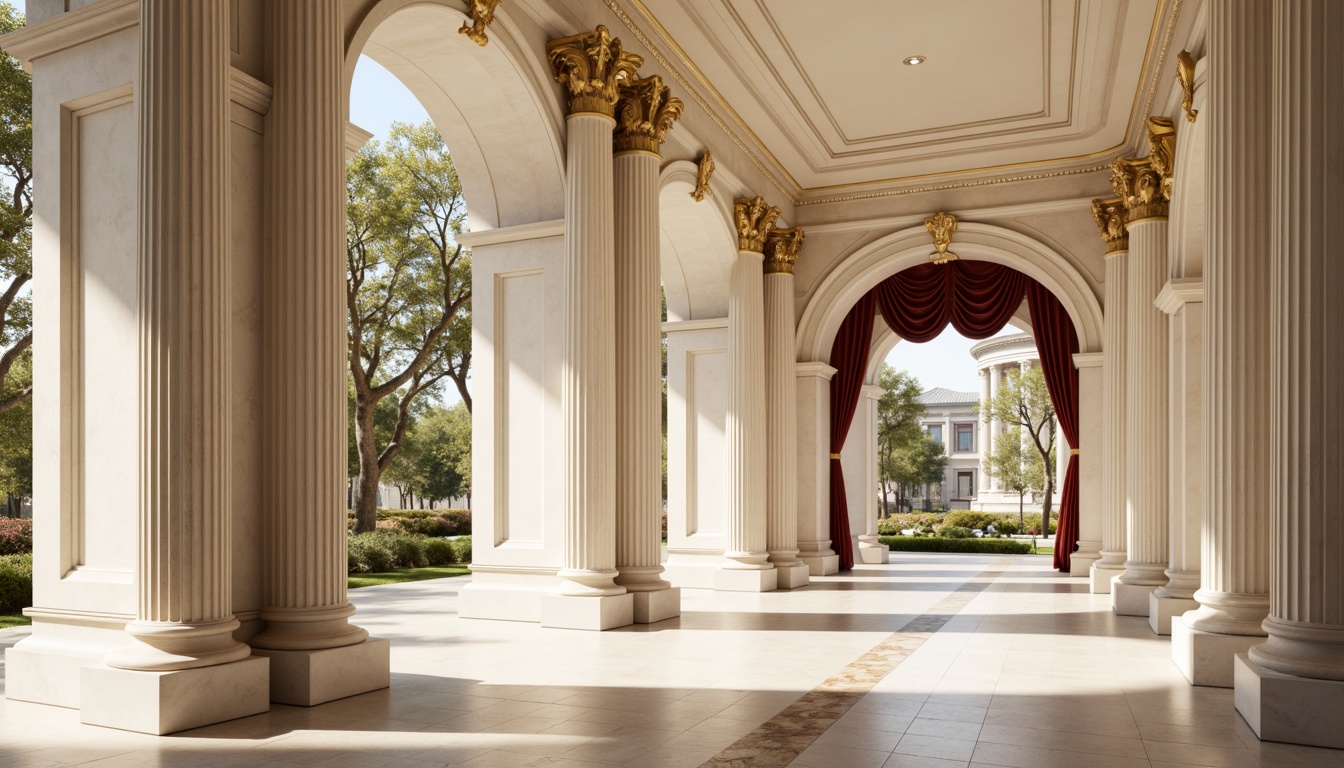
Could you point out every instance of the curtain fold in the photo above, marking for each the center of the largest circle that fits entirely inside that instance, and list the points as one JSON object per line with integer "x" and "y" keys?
{"x": 977, "y": 298}
{"x": 849, "y": 357}
{"x": 1057, "y": 343}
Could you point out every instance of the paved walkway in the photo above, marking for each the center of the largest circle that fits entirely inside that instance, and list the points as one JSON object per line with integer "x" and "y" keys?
{"x": 933, "y": 660}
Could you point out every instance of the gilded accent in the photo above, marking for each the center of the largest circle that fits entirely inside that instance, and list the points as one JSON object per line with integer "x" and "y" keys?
{"x": 645, "y": 112}
{"x": 1140, "y": 185}
{"x": 1162, "y": 150}
{"x": 592, "y": 66}
{"x": 1074, "y": 451}
{"x": 1185, "y": 74}
{"x": 941, "y": 225}
{"x": 1110, "y": 218}
{"x": 482, "y": 13}
{"x": 754, "y": 220}
{"x": 835, "y": 457}
{"x": 702, "y": 175}
{"x": 781, "y": 250}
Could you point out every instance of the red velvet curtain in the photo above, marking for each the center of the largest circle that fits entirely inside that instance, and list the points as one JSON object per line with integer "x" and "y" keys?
{"x": 849, "y": 357}
{"x": 977, "y": 298}
{"x": 1057, "y": 343}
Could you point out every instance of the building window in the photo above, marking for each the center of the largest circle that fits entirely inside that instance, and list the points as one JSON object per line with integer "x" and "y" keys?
{"x": 966, "y": 484}
{"x": 936, "y": 432}
{"x": 965, "y": 437}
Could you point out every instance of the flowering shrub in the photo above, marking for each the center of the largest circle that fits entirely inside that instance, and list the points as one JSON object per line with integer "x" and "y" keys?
{"x": 16, "y": 536}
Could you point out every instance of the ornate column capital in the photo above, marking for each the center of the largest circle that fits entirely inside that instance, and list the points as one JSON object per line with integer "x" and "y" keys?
{"x": 1110, "y": 217}
{"x": 645, "y": 112}
{"x": 754, "y": 221}
{"x": 592, "y": 66}
{"x": 1139, "y": 184}
{"x": 781, "y": 250}
{"x": 1162, "y": 151}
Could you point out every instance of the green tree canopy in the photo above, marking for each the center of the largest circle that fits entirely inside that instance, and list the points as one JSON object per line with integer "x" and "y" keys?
{"x": 1017, "y": 469}
{"x": 1023, "y": 402}
{"x": 16, "y": 221}
{"x": 907, "y": 456}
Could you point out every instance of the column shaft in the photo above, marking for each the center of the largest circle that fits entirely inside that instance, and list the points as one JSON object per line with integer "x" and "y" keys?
{"x": 995, "y": 427}
{"x": 983, "y": 434}
{"x": 1114, "y": 511}
{"x": 781, "y": 399}
{"x": 746, "y": 415}
{"x": 1186, "y": 438}
{"x": 184, "y": 615}
{"x": 305, "y": 356}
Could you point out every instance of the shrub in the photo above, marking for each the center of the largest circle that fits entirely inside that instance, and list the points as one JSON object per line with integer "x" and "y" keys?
{"x": 16, "y": 582}
{"x": 955, "y": 532}
{"x": 980, "y": 546}
{"x": 428, "y": 522}
{"x": 1007, "y": 527}
{"x": 439, "y": 552}
{"x": 16, "y": 536}
{"x": 462, "y": 547}
{"x": 965, "y": 518}
{"x": 369, "y": 553}
{"x": 1033, "y": 521}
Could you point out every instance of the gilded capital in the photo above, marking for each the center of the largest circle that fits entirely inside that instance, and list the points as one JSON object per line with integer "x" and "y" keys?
{"x": 592, "y": 66}
{"x": 1162, "y": 150}
{"x": 781, "y": 250}
{"x": 645, "y": 112}
{"x": 1110, "y": 218}
{"x": 1140, "y": 186}
{"x": 754, "y": 219}
{"x": 482, "y": 13}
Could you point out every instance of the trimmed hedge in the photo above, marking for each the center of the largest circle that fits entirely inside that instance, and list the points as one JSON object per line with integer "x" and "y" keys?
{"x": 388, "y": 549}
{"x": 429, "y": 522}
{"x": 16, "y": 536}
{"x": 974, "y": 546}
{"x": 16, "y": 582}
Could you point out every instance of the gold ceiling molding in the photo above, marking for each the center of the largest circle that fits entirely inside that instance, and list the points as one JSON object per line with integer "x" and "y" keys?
{"x": 703, "y": 172}
{"x": 955, "y": 185}
{"x": 1110, "y": 218}
{"x": 592, "y": 66}
{"x": 482, "y": 13}
{"x": 941, "y": 225}
{"x": 1185, "y": 75}
{"x": 645, "y": 112}
{"x": 781, "y": 250}
{"x": 754, "y": 220}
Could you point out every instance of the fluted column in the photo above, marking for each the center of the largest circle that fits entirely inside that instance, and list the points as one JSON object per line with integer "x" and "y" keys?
{"x": 868, "y": 545}
{"x": 995, "y": 426}
{"x": 591, "y": 66}
{"x": 1110, "y": 216}
{"x": 986, "y": 444}
{"x": 647, "y": 111}
{"x": 746, "y": 551}
{"x": 1238, "y": 474}
{"x": 781, "y": 407}
{"x": 184, "y": 615}
{"x": 1306, "y": 615}
{"x": 1146, "y": 394}
{"x": 305, "y": 356}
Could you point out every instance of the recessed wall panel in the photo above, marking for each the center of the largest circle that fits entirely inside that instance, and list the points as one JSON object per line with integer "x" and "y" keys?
{"x": 707, "y": 412}
{"x": 520, "y": 429}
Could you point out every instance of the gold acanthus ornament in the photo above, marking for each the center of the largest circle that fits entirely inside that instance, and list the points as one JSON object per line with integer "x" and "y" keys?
{"x": 754, "y": 220}
{"x": 1110, "y": 218}
{"x": 592, "y": 66}
{"x": 482, "y": 13}
{"x": 645, "y": 112}
{"x": 941, "y": 225}
{"x": 1140, "y": 186}
{"x": 702, "y": 175}
{"x": 1162, "y": 150}
{"x": 781, "y": 250}
{"x": 1185, "y": 74}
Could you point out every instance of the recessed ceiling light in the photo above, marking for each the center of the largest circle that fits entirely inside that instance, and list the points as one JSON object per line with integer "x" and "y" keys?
{"x": 914, "y": 60}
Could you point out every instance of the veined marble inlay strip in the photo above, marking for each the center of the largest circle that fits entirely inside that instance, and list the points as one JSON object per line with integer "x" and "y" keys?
{"x": 783, "y": 737}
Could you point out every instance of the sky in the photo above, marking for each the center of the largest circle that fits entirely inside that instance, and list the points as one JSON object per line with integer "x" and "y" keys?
{"x": 944, "y": 362}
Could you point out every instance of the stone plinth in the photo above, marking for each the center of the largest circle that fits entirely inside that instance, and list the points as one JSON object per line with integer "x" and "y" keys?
{"x": 1296, "y": 710}
{"x": 1205, "y": 658}
{"x": 658, "y": 605}
{"x": 168, "y": 702}
{"x": 1130, "y": 599}
{"x": 793, "y": 576}
{"x": 1161, "y": 610}
{"x": 590, "y": 613}
{"x": 311, "y": 677}
{"x": 746, "y": 580}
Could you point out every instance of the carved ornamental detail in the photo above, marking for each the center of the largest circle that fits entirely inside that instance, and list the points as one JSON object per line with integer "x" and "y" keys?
{"x": 1185, "y": 74}
{"x": 1162, "y": 150}
{"x": 1140, "y": 186}
{"x": 941, "y": 225}
{"x": 702, "y": 176}
{"x": 754, "y": 220}
{"x": 592, "y": 66}
{"x": 645, "y": 112}
{"x": 482, "y": 13}
{"x": 781, "y": 250}
{"x": 1110, "y": 218}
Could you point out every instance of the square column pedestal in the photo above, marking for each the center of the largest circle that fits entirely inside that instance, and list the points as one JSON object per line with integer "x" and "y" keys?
{"x": 792, "y": 576}
{"x": 1161, "y": 610}
{"x": 1130, "y": 599}
{"x": 746, "y": 580}
{"x": 168, "y": 702}
{"x": 821, "y": 565}
{"x": 1101, "y": 577}
{"x": 590, "y": 613}
{"x": 1205, "y": 658}
{"x": 309, "y": 678}
{"x": 658, "y": 605}
{"x": 878, "y": 554}
{"x": 1296, "y": 710}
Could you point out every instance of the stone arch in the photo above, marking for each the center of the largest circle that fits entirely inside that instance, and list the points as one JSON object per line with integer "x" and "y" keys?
{"x": 875, "y": 262}
{"x": 494, "y": 105}
{"x": 698, "y": 244}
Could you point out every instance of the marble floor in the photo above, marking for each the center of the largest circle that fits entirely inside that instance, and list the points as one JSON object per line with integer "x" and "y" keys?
{"x": 933, "y": 660}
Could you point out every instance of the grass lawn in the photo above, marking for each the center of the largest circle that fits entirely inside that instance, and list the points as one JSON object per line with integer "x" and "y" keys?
{"x": 1050, "y": 550}
{"x": 8, "y": 620}
{"x": 405, "y": 574}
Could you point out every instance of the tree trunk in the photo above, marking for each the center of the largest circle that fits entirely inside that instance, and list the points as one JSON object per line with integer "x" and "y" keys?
{"x": 1048, "y": 506}
{"x": 1021, "y": 515}
{"x": 366, "y": 489}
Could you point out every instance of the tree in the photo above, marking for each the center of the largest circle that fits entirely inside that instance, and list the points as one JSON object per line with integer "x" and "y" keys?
{"x": 906, "y": 455}
{"x": 1018, "y": 470}
{"x": 1024, "y": 402}
{"x": 408, "y": 291}
{"x": 16, "y": 224}
{"x": 443, "y": 458}
{"x": 16, "y": 438}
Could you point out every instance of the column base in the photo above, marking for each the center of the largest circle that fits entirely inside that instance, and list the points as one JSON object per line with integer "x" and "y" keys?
{"x": 1130, "y": 599}
{"x": 1161, "y": 610}
{"x": 588, "y": 613}
{"x": 1205, "y": 658}
{"x": 821, "y": 565}
{"x": 1101, "y": 575}
{"x": 167, "y": 702}
{"x": 746, "y": 580}
{"x": 1285, "y": 708}
{"x": 1080, "y": 564}
{"x": 692, "y": 569}
{"x": 877, "y": 554}
{"x": 309, "y": 678}
{"x": 792, "y": 576}
{"x": 658, "y": 605}
{"x": 45, "y": 668}
{"x": 505, "y": 594}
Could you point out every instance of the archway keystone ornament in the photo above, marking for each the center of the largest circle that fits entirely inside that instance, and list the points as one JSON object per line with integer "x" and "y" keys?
{"x": 703, "y": 172}
{"x": 482, "y": 13}
{"x": 941, "y": 226}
